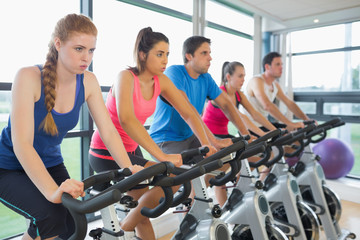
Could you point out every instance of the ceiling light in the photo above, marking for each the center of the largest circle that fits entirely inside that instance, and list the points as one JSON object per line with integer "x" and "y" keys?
{"x": 316, "y": 20}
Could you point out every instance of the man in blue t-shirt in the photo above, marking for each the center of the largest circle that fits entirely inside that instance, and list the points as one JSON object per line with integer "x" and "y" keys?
{"x": 197, "y": 85}
{"x": 168, "y": 129}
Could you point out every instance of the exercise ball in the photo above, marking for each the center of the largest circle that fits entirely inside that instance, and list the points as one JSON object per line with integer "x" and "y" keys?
{"x": 337, "y": 158}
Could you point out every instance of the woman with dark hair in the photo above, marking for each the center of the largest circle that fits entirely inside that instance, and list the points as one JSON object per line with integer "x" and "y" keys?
{"x": 130, "y": 101}
{"x": 232, "y": 79}
{"x": 46, "y": 102}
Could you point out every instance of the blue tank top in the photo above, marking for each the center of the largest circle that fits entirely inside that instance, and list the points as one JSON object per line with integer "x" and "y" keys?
{"x": 47, "y": 146}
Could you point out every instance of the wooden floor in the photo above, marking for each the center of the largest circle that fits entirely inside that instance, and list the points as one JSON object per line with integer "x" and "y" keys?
{"x": 350, "y": 219}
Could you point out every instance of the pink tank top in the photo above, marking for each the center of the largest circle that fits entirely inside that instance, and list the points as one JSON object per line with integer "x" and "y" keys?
{"x": 215, "y": 119}
{"x": 143, "y": 109}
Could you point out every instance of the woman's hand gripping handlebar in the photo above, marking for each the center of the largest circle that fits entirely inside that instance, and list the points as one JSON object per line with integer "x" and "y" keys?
{"x": 78, "y": 208}
{"x": 114, "y": 193}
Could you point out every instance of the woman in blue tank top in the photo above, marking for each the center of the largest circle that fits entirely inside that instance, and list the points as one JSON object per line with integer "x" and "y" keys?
{"x": 45, "y": 105}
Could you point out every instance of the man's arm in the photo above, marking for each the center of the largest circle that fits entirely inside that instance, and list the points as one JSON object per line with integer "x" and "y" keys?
{"x": 257, "y": 87}
{"x": 258, "y": 117}
{"x": 217, "y": 143}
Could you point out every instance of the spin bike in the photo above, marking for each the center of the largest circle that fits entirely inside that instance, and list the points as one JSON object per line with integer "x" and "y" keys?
{"x": 108, "y": 200}
{"x": 247, "y": 207}
{"x": 295, "y": 218}
{"x": 114, "y": 194}
{"x": 311, "y": 179}
{"x": 202, "y": 220}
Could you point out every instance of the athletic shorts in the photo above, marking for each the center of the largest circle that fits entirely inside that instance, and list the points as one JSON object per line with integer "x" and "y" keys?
{"x": 101, "y": 160}
{"x": 47, "y": 219}
{"x": 173, "y": 147}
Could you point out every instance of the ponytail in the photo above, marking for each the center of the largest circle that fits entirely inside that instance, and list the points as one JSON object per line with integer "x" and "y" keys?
{"x": 145, "y": 41}
{"x": 229, "y": 68}
{"x": 224, "y": 71}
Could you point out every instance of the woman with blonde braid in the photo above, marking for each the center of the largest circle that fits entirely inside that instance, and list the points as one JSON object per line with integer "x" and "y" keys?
{"x": 46, "y": 101}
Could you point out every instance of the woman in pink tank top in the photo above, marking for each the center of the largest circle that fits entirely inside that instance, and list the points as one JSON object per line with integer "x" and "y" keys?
{"x": 131, "y": 100}
{"x": 232, "y": 80}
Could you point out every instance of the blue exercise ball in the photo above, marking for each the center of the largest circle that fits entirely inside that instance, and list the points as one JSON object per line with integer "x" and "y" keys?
{"x": 337, "y": 158}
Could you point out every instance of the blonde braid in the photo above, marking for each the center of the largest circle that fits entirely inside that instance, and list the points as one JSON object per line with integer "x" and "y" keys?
{"x": 49, "y": 82}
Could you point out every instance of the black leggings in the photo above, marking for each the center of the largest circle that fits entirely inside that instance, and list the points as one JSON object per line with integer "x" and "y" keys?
{"x": 47, "y": 219}
{"x": 100, "y": 161}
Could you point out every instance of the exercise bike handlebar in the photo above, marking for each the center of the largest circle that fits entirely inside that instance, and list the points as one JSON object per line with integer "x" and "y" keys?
{"x": 190, "y": 153}
{"x": 78, "y": 209}
{"x": 307, "y": 122}
{"x": 338, "y": 124}
{"x": 330, "y": 122}
{"x": 261, "y": 144}
{"x": 303, "y": 134}
{"x": 111, "y": 195}
{"x": 160, "y": 173}
{"x": 210, "y": 163}
{"x": 298, "y": 148}
{"x": 97, "y": 202}
{"x": 184, "y": 176}
{"x": 80, "y": 220}
{"x": 106, "y": 176}
{"x": 306, "y": 129}
{"x": 266, "y": 137}
{"x": 163, "y": 205}
{"x": 262, "y": 161}
{"x": 236, "y": 164}
{"x": 237, "y": 146}
{"x": 333, "y": 123}
{"x": 279, "y": 143}
{"x": 187, "y": 155}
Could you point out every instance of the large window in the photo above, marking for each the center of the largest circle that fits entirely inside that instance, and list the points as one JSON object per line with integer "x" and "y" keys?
{"x": 229, "y": 17}
{"x": 331, "y": 71}
{"x": 117, "y": 35}
{"x": 25, "y": 33}
{"x": 229, "y": 47}
{"x": 326, "y": 59}
{"x": 231, "y": 38}
{"x": 318, "y": 39}
{"x": 184, "y": 6}
{"x": 325, "y": 64}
